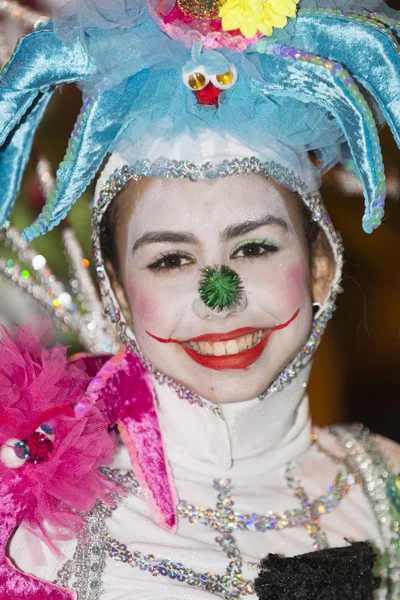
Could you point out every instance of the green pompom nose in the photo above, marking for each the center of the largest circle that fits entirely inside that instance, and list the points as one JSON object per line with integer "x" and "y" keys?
{"x": 220, "y": 288}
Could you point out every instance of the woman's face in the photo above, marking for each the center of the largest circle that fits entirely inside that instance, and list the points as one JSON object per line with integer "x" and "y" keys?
{"x": 167, "y": 232}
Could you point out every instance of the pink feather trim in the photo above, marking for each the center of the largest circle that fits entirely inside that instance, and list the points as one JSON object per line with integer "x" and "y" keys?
{"x": 61, "y": 476}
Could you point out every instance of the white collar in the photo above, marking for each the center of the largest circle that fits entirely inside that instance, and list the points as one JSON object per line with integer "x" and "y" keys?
{"x": 277, "y": 428}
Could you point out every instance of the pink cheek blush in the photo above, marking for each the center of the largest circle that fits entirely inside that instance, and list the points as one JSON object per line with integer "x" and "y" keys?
{"x": 144, "y": 306}
{"x": 296, "y": 283}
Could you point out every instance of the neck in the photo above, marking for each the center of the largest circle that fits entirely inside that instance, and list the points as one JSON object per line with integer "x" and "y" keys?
{"x": 277, "y": 427}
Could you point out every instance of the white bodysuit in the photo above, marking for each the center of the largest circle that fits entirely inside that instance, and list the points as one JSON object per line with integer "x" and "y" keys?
{"x": 265, "y": 448}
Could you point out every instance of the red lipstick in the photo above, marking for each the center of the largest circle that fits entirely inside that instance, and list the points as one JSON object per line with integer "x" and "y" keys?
{"x": 241, "y": 360}
{"x": 210, "y": 337}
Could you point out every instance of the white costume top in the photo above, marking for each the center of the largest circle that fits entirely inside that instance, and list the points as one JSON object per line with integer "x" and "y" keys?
{"x": 252, "y": 445}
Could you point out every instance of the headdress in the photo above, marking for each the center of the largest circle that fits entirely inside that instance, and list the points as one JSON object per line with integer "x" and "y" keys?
{"x": 205, "y": 89}
{"x": 196, "y": 82}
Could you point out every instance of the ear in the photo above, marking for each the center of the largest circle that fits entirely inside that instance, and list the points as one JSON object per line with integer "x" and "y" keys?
{"x": 322, "y": 269}
{"x": 119, "y": 292}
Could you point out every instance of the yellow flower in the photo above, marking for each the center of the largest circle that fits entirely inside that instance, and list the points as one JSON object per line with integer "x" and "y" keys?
{"x": 252, "y": 16}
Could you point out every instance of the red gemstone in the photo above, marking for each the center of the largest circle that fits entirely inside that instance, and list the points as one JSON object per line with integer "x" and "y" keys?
{"x": 208, "y": 95}
{"x": 40, "y": 446}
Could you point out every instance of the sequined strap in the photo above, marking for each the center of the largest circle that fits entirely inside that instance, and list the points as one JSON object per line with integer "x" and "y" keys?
{"x": 370, "y": 464}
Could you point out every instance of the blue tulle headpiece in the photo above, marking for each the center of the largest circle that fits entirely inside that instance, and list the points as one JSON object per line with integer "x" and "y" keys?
{"x": 320, "y": 77}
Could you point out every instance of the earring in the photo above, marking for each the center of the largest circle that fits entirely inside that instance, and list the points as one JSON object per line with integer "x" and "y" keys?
{"x": 316, "y": 307}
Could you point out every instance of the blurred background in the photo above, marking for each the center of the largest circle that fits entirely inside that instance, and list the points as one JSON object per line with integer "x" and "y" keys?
{"x": 356, "y": 373}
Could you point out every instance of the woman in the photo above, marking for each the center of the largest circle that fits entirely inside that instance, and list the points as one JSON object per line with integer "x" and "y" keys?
{"x": 220, "y": 285}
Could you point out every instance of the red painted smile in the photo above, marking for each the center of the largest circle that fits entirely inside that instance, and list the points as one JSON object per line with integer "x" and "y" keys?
{"x": 237, "y": 349}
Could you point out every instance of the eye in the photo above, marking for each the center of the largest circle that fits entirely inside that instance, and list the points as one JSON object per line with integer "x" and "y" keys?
{"x": 195, "y": 81}
{"x": 171, "y": 261}
{"x": 47, "y": 430}
{"x": 14, "y": 453}
{"x": 224, "y": 81}
{"x": 254, "y": 249}
{"x": 36, "y": 449}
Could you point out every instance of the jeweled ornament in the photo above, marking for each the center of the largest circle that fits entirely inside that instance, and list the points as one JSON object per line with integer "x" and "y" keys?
{"x": 225, "y": 78}
{"x": 197, "y": 81}
{"x": 393, "y": 491}
{"x": 200, "y": 9}
{"x": 40, "y": 446}
{"x": 220, "y": 288}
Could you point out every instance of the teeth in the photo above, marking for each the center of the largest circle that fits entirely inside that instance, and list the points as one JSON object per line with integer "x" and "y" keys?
{"x": 230, "y": 347}
{"x": 208, "y": 348}
{"x": 219, "y": 349}
{"x": 242, "y": 343}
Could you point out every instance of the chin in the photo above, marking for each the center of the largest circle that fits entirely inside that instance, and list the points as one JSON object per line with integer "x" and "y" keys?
{"x": 223, "y": 387}
{"x": 232, "y": 393}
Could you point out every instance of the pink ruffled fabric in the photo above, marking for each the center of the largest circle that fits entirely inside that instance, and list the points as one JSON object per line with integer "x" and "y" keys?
{"x": 38, "y": 386}
{"x": 78, "y": 399}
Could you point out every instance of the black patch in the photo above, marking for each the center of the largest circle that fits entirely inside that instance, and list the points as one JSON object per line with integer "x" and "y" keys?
{"x": 333, "y": 574}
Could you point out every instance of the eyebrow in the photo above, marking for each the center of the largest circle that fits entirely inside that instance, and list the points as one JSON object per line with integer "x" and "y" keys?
{"x": 185, "y": 237}
{"x": 234, "y": 231}
{"x": 154, "y": 237}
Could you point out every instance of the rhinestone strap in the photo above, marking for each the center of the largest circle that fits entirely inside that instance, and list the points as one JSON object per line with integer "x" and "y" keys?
{"x": 225, "y": 520}
{"x": 84, "y": 571}
{"x": 371, "y": 466}
{"x": 230, "y": 585}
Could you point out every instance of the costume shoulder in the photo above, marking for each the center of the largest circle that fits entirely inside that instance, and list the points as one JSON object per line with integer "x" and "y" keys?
{"x": 332, "y": 439}
{"x": 390, "y": 449}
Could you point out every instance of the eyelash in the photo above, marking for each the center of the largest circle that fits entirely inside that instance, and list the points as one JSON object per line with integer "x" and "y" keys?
{"x": 156, "y": 266}
{"x": 269, "y": 247}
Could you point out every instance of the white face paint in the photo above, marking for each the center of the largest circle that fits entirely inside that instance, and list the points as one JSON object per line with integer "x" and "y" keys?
{"x": 167, "y": 232}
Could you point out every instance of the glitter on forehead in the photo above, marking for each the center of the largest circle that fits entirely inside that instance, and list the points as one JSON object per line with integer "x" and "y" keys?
{"x": 186, "y": 169}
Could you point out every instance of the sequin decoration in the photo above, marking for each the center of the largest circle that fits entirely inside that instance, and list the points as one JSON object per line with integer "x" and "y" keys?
{"x": 177, "y": 169}
{"x": 370, "y": 465}
{"x": 224, "y": 520}
{"x": 85, "y": 570}
{"x": 88, "y": 563}
{"x": 200, "y": 9}
{"x": 393, "y": 490}
{"x": 39, "y": 447}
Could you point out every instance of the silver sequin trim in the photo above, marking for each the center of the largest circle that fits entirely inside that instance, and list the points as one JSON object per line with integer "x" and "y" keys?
{"x": 84, "y": 571}
{"x": 370, "y": 464}
{"x": 225, "y": 520}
